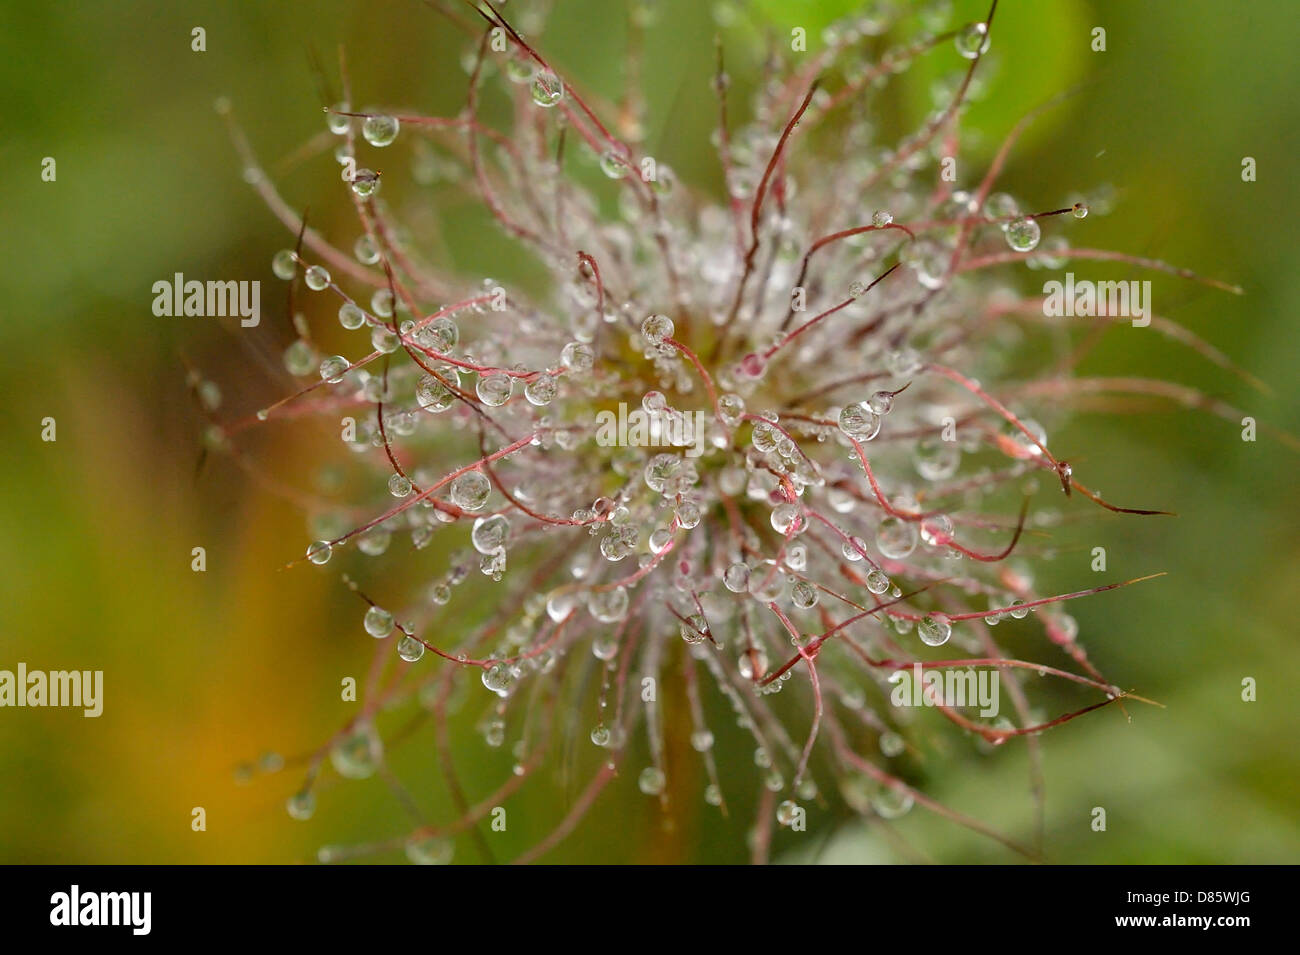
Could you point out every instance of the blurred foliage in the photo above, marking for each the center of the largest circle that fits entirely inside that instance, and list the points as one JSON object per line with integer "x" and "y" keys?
{"x": 205, "y": 671}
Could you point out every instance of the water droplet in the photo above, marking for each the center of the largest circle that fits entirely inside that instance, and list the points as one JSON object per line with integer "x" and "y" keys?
{"x": 656, "y": 328}
{"x": 752, "y": 365}
{"x": 903, "y": 362}
{"x": 301, "y": 805}
{"x": 936, "y": 530}
{"x": 384, "y": 340}
{"x": 366, "y": 251}
{"x": 853, "y": 549}
{"x": 410, "y": 649}
{"x": 763, "y": 437}
{"x": 338, "y": 125}
{"x": 578, "y": 357}
{"x": 494, "y": 389}
{"x": 1023, "y": 234}
{"x": 660, "y": 538}
{"x": 787, "y": 812}
{"x": 284, "y": 265}
{"x": 541, "y": 390}
{"x": 929, "y": 260}
{"x": 432, "y": 395}
{"x": 319, "y": 552}
{"x": 736, "y": 578}
{"x": 767, "y": 586}
{"x": 859, "y": 422}
{"x": 880, "y": 219}
{"x": 608, "y": 606}
{"x": 664, "y": 180}
{"x": 804, "y": 595}
{"x": 892, "y": 744}
{"x": 333, "y": 368}
{"x": 399, "y": 485}
{"x": 787, "y": 517}
{"x": 299, "y": 358}
{"x": 380, "y": 130}
{"x": 471, "y": 490}
{"x": 654, "y": 402}
{"x": 651, "y": 781}
{"x": 694, "y": 629}
{"x": 490, "y": 533}
{"x": 688, "y": 514}
{"x": 896, "y": 538}
{"x": 973, "y": 40}
{"x": 1032, "y": 448}
{"x": 357, "y": 755}
{"x": 351, "y": 317}
{"x": 881, "y": 403}
{"x": 662, "y": 471}
{"x": 442, "y": 334}
{"x": 1080, "y": 210}
{"x": 731, "y": 407}
{"x": 493, "y": 565}
{"x": 934, "y": 630}
{"x": 752, "y": 664}
{"x": 365, "y": 183}
{"x": 891, "y": 804}
{"x": 378, "y": 622}
{"x": 936, "y": 459}
{"x": 614, "y": 547}
{"x": 430, "y": 850}
{"x": 381, "y": 303}
{"x": 317, "y": 277}
{"x": 497, "y": 678}
{"x": 547, "y": 89}
{"x": 614, "y": 165}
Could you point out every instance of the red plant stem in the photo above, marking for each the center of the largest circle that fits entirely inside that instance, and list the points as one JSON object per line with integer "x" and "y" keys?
{"x": 836, "y": 237}
{"x": 791, "y": 336}
{"x": 878, "y": 774}
{"x": 759, "y": 195}
{"x": 1101, "y": 255}
{"x": 416, "y": 498}
{"x": 703, "y": 373}
{"x": 809, "y": 658}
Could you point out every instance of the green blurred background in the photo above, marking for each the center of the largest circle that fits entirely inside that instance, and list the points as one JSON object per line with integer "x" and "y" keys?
{"x": 205, "y": 671}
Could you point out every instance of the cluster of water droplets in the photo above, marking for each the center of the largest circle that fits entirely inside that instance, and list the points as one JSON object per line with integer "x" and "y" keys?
{"x": 695, "y": 467}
